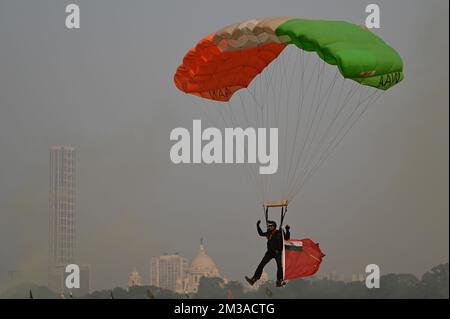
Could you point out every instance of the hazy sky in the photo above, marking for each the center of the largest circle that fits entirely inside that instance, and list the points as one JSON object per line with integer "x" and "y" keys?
{"x": 106, "y": 89}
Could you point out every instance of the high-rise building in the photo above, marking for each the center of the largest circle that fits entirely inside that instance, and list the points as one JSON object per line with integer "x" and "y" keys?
{"x": 168, "y": 272}
{"x": 62, "y": 223}
{"x": 85, "y": 280}
{"x": 62, "y": 214}
{"x": 173, "y": 272}
{"x": 58, "y": 276}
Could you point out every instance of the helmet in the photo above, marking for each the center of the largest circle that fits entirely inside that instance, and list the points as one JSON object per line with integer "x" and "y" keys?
{"x": 271, "y": 223}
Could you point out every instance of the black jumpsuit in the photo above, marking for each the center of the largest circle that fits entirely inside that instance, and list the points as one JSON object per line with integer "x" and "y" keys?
{"x": 274, "y": 250}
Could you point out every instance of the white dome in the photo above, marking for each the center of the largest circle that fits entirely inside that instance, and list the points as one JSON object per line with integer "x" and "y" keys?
{"x": 203, "y": 264}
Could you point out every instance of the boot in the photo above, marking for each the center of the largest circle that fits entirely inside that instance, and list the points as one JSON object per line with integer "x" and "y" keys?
{"x": 251, "y": 281}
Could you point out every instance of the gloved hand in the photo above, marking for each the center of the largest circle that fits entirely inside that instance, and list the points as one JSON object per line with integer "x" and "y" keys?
{"x": 258, "y": 222}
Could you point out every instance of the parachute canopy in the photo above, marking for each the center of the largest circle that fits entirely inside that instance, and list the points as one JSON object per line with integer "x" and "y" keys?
{"x": 229, "y": 59}
{"x": 312, "y": 91}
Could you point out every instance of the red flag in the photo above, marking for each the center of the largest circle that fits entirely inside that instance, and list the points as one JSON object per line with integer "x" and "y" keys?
{"x": 301, "y": 258}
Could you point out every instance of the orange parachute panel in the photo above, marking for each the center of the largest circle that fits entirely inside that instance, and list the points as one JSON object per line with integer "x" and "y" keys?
{"x": 209, "y": 72}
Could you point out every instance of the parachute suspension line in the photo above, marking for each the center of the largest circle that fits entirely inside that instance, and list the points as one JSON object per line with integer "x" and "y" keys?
{"x": 325, "y": 97}
{"x": 315, "y": 128}
{"x": 289, "y": 151}
{"x": 315, "y": 79}
{"x": 275, "y": 110}
{"x": 263, "y": 112}
{"x": 296, "y": 177}
{"x": 294, "y": 68}
{"x": 278, "y": 80}
{"x": 251, "y": 168}
{"x": 218, "y": 110}
{"x": 259, "y": 105}
{"x": 312, "y": 154}
{"x": 200, "y": 106}
{"x": 278, "y": 106}
{"x": 248, "y": 168}
{"x": 307, "y": 168}
{"x": 262, "y": 95}
{"x": 313, "y": 110}
{"x": 237, "y": 124}
{"x": 273, "y": 101}
{"x": 265, "y": 94}
{"x": 263, "y": 119}
{"x": 337, "y": 140}
{"x": 227, "y": 123}
{"x": 299, "y": 107}
{"x": 206, "y": 115}
{"x": 318, "y": 147}
{"x": 323, "y": 114}
{"x": 284, "y": 127}
{"x": 301, "y": 99}
{"x": 286, "y": 123}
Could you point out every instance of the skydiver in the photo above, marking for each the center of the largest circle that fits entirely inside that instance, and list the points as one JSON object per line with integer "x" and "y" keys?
{"x": 274, "y": 250}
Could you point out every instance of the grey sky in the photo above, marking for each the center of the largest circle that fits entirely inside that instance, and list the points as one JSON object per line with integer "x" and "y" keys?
{"x": 107, "y": 90}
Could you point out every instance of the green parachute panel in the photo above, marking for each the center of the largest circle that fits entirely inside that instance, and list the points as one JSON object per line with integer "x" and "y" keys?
{"x": 359, "y": 54}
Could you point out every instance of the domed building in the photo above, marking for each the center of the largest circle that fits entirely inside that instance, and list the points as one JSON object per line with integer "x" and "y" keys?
{"x": 201, "y": 266}
{"x": 134, "y": 279}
